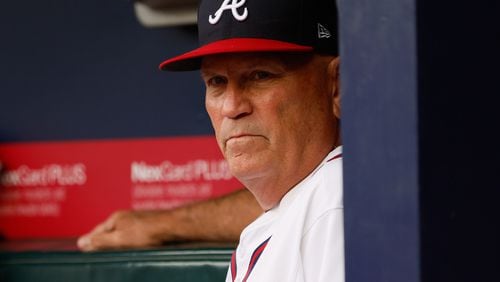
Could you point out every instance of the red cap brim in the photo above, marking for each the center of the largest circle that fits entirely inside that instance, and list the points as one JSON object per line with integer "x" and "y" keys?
{"x": 192, "y": 59}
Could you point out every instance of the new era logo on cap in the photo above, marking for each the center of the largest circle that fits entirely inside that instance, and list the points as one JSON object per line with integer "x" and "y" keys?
{"x": 235, "y": 4}
{"x": 323, "y": 32}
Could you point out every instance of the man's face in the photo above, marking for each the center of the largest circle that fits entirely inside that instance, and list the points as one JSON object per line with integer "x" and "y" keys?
{"x": 271, "y": 114}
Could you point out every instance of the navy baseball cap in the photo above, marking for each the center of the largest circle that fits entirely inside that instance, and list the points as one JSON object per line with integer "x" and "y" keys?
{"x": 241, "y": 26}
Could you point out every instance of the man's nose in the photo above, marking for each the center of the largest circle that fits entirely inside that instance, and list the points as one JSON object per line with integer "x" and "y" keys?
{"x": 236, "y": 103}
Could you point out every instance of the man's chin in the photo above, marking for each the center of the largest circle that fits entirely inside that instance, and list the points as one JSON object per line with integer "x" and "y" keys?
{"x": 247, "y": 168}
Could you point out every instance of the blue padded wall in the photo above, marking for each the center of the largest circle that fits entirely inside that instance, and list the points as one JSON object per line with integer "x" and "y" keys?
{"x": 88, "y": 70}
{"x": 420, "y": 115}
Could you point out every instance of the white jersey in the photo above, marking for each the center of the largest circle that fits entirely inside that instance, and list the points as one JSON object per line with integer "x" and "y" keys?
{"x": 301, "y": 239}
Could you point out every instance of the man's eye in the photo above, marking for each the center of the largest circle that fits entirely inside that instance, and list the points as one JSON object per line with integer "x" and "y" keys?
{"x": 260, "y": 75}
{"x": 217, "y": 81}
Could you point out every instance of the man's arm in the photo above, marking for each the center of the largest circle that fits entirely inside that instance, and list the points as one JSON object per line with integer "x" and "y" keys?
{"x": 221, "y": 219}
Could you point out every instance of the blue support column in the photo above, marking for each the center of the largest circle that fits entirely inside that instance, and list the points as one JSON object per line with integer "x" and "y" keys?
{"x": 420, "y": 81}
{"x": 379, "y": 88}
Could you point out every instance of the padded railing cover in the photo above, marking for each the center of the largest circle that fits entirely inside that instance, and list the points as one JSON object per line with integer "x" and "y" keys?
{"x": 57, "y": 263}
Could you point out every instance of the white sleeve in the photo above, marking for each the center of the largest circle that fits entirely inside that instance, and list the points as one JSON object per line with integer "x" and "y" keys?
{"x": 323, "y": 249}
{"x": 229, "y": 278}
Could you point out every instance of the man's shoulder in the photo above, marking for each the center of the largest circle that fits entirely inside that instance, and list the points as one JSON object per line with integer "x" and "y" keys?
{"x": 330, "y": 172}
{"x": 330, "y": 182}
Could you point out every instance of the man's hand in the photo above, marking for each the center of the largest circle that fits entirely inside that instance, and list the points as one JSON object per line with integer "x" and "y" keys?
{"x": 216, "y": 220}
{"x": 125, "y": 230}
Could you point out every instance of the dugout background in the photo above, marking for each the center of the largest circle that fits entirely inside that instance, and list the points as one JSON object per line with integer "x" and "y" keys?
{"x": 88, "y": 70}
{"x": 420, "y": 113}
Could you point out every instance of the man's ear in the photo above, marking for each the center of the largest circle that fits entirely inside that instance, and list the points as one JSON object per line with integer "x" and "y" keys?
{"x": 334, "y": 75}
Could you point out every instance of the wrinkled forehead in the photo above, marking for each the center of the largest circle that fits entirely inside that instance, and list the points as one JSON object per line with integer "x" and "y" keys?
{"x": 285, "y": 60}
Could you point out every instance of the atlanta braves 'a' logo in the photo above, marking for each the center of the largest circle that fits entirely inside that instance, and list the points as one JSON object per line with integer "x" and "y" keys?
{"x": 233, "y": 6}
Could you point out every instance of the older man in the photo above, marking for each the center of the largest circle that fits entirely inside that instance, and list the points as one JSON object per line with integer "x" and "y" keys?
{"x": 271, "y": 76}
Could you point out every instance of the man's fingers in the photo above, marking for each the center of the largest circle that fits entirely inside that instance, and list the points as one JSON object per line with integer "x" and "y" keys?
{"x": 88, "y": 242}
{"x": 99, "y": 241}
{"x": 106, "y": 226}
{"x": 119, "y": 231}
{"x": 83, "y": 243}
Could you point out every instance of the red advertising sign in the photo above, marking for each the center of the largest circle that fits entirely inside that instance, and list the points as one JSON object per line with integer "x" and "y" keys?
{"x": 62, "y": 189}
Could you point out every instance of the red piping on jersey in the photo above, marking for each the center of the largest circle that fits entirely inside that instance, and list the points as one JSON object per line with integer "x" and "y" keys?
{"x": 233, "y": 265}
{"x": 336, "y": 157}
{"x": 253, "y": 260}
{"x": 258, "y": 251}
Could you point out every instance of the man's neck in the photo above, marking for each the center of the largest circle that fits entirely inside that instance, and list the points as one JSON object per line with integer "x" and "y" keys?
{"x": 270, "y": 190}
